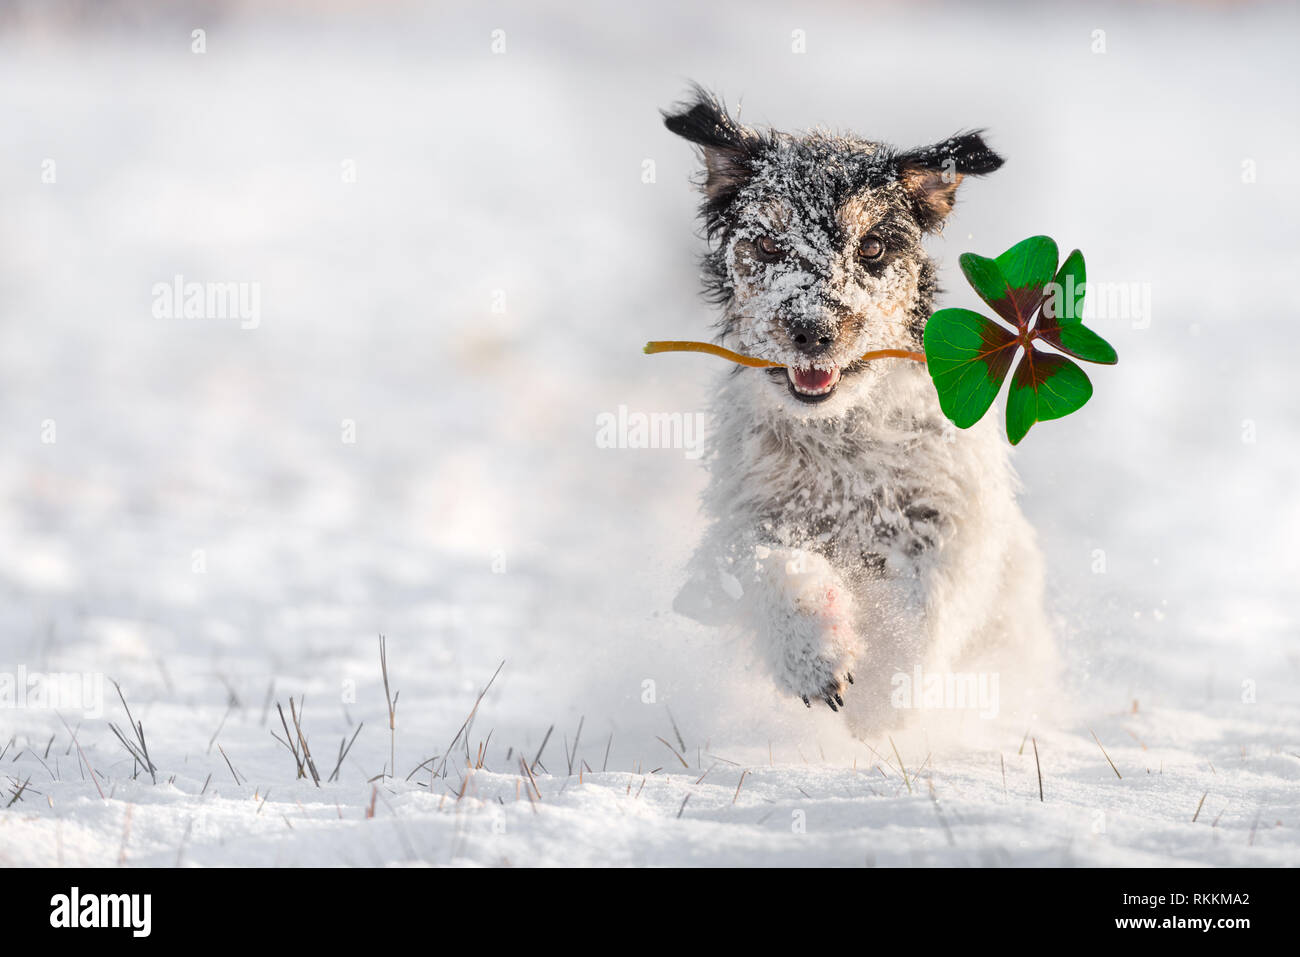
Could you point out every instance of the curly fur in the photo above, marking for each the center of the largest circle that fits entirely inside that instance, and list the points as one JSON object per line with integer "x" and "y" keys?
{"x": 859, "y": 535}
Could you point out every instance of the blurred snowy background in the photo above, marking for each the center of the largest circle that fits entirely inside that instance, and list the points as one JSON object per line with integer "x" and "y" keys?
{"x": 458, "y": 256}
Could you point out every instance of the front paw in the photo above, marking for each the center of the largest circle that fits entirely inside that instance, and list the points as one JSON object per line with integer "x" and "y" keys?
{"x": 818, "y": 649}
{"x": 807, "y": 615}
{"x": 832, "y": 691}
{"x": 823, "y": 678}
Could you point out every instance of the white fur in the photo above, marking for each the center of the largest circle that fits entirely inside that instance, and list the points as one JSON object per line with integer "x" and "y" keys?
{"x": 798, "y": 493}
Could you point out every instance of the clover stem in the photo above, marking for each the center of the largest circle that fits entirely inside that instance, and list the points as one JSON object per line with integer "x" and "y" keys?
{"x": 653, "y": 348}
{"x": 892, "y": 354}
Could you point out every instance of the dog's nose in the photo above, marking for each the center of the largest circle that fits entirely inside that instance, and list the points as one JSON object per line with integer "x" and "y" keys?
{"x": 809, "y": 339}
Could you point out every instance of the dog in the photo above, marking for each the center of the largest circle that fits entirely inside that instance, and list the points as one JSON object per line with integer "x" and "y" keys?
{"x": 854, "y": 534}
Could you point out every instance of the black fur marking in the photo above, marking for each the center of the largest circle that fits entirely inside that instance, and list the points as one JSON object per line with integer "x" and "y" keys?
{"x": 932, "y": 174}
{"x": 812, "y": 176}
{"x": 927, "y": 290}
{"x": 730, "y": 150}
{"x": 967, "y": 151}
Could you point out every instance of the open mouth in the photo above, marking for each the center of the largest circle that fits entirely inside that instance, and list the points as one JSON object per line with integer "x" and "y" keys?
{"x": 812, "y": 385}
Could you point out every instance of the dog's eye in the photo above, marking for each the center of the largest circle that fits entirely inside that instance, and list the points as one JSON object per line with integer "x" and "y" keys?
{"x": 870, "y": 249}
{"x": 767, "y": 249}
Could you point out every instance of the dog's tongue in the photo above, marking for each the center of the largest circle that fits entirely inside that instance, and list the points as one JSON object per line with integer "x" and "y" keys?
{"x": 812, "y": 379}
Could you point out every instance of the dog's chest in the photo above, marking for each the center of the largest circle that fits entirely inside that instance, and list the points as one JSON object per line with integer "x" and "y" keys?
{"x": 877, "y": 499}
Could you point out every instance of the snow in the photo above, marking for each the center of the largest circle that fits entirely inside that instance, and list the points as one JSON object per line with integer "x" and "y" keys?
{"x": 201, "y": 531}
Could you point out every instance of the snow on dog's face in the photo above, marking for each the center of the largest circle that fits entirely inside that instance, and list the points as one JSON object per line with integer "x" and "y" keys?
{"x": 815, "y": 248}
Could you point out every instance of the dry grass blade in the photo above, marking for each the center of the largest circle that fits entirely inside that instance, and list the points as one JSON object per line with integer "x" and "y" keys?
{"x": 136, "y": 760}
{"x": 738, "y": 785}
{"x": 681, "y": 742}
{"x": 42, "y": 763}
{"x": 296, "y": 713}
{"x": 1107, "y": 756}
{"x": 343, "y": 752}
{"x": 674, "y": 751}
{"x": 528, "y": 772}
{"x": 392, "y": 708}
{"x": 571, "y": 757}
{"x": 18, "y": 791}
{"x": 230, "y": 706}
{"x": 900, "y": 765}
{"x": 138, "y": 750}
{"x": 1199, "y": 806}
{"x": 233, "y": 772}
{"x": 884, "y": 760}
{"x": 288, "y": 741}
{"x": 473, "y": 711}
{"x": 531, "y": 785}
{"x": 921, "y": 768}
{"x": 82, "y": 755}
{"x": 545, "y": 738}
{"x": 1040, "y": 770}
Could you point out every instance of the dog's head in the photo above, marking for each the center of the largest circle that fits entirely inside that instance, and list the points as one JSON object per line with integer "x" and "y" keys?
{"x": 815, "y": 244}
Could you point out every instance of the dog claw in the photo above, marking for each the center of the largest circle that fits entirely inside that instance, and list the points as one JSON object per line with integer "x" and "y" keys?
{"x": 806, "y": 702}
{"x": 838, "y": 700}
{"x": 849, "y": 676}
{"x": 831, "y": 702}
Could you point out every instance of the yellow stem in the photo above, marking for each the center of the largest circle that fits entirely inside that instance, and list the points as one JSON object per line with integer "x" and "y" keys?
{"x": 652, "y": 348}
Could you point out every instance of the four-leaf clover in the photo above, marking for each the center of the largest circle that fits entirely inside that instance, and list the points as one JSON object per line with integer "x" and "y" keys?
{"x": 969, "y": 355}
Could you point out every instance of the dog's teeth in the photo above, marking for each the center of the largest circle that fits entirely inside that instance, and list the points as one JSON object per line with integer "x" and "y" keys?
{"x": 834, "y": 380}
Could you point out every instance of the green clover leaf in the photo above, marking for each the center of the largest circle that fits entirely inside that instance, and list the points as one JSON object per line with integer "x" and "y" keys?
{"x": 969, "y": 355}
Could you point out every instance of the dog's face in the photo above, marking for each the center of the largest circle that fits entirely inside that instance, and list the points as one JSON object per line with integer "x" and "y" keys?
{"x": 816, "y": 246}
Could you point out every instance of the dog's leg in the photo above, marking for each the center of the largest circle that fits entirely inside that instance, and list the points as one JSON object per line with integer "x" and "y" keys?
{"x": 803, "y": 615}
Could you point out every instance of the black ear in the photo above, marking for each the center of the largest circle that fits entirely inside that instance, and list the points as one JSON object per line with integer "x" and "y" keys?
{"x": 931, "y": 174}
{"x": 728, "y": 146}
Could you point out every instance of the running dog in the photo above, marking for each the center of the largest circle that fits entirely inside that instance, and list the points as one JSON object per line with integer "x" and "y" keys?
{"x": 855, "y": 534}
